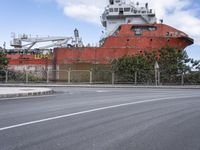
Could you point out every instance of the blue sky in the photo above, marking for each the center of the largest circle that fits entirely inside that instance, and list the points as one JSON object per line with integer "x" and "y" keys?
{"x": 61, "y": 17}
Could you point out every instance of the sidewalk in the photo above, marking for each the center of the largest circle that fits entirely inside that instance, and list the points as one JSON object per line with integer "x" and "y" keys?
{"x": 8, "y": 92}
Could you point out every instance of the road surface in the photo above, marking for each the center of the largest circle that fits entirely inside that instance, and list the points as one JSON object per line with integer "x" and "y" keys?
{"x": 102, "y": 119}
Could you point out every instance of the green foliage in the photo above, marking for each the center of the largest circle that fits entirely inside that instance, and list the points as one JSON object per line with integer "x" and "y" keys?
{"x": 19, "y": 76}
{"x": 192, "y": 77}
{"x": 173, "y": 63}
{"x": 3, "y": 61}
{"x": 3, "y": 65}
{"x": 141, "y": 65}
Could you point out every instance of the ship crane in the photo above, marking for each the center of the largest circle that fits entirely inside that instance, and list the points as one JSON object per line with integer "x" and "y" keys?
{"x": 58, "y": 41}
{"x": 32, "y": 41}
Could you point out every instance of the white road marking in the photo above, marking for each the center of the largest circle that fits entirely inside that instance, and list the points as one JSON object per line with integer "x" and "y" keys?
{"x": 101, "y": 91}
{"x": 26, "y": 97}
{"x": 85, "y": 112}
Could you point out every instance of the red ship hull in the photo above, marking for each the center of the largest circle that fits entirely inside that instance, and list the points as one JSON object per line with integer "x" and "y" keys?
{"x": 124, "y": 42}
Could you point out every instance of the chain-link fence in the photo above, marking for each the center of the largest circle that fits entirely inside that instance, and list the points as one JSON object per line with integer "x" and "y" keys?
{"x": 3, "y": 76}
{"x": 146, "y": 77}
{"x": 156, "y": 77}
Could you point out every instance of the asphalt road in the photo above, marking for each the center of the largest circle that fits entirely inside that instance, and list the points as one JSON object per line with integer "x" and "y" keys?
{"x": 102, "y": 119}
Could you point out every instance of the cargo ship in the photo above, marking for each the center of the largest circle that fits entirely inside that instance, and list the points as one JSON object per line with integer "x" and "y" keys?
{"x": 130, "y": 29}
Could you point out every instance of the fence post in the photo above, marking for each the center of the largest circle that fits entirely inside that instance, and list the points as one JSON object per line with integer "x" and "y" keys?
{"x": 113, "y": 77}
{"x": 47, "y": 75}
{"x": 91, "y": 76}
{"x": 69, "y": 76}
{"x": 6, "y": 76}
{"x": 182, "y": 79}
{"x": 158, "y": 77}
{"x": 26, "y": 77}
{"x": 156, "y": 67}
{"x": 135, "y": 77}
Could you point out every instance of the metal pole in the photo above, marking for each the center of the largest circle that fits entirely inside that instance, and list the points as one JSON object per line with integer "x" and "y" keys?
{"x": 91, "y": 76}
{"x": 26, "y": 77}
{"x": 156, "y": 77}
{"x": 6, "y": 76}
{"x": 182, "y": 79}
{"x": 47, "y": 75}
{"x": 136, "y": 78}
{"x": 69, "y": 76}
{"x": 113, "y": 78}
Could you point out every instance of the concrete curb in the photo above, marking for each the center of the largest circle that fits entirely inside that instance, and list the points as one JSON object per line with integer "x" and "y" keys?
{"x": 100, "y": 86}
{"x": 47, "y": 92}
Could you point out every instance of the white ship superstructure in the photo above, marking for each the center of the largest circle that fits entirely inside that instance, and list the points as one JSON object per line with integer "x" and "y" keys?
{"x": 119, "y": 12}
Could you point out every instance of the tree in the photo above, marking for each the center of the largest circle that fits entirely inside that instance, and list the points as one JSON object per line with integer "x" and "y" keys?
{"x": 137, "y": 67}
{"x": 174, "y": 65}
{"x": 3, "y": 64}
{"x": 3, "y": 61}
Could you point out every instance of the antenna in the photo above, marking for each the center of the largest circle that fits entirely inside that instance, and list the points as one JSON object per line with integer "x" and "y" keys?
{"x": 4, "y": 45}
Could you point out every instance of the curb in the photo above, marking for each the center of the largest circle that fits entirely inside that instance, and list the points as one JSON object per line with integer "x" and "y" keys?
{"x": 100, "y": 86}
{"x": 26, "y": 94}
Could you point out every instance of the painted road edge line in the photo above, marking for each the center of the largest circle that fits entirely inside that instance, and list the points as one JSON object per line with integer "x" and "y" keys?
{"x": 85, "y": 112}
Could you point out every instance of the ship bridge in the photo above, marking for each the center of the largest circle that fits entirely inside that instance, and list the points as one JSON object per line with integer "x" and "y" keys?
{"x": 119, "y": 12}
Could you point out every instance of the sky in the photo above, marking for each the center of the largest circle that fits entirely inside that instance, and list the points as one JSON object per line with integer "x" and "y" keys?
{"x": 61, "y": 17}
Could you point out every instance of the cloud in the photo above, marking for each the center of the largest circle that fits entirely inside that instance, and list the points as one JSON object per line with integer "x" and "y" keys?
{"x": 85, "y": 10}
{"x": 181, "y": 14}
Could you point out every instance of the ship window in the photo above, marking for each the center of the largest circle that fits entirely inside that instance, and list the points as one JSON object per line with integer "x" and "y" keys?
{"x": 167, "y": 34}
{"x": 134, "y": 11}
{"x": 127, "y": 9}
{"x": 116, "y": 10}
{"x": 121, "y": 11}
{"x": 111, "y": 9}
{"x": 152, "y": 28}
{"x": 140, "y": 29}
{"x": 138, "y": 32}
